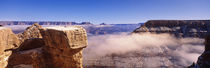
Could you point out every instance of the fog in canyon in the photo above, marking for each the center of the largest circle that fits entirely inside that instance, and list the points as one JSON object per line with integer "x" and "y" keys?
{"x": 142, "y": 50}
{"x": 147, "y": 50}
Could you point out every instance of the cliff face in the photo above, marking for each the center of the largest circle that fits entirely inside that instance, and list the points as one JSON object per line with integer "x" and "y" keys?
{"x": 180, "y": 28}
{"x": 57, "y": 47}
{"x": 41, "y": 23}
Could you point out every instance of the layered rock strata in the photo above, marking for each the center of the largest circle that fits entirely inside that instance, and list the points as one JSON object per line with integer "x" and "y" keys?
{"x": 180, "y": 28}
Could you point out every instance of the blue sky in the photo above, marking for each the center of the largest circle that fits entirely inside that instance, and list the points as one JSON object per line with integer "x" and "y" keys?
{"x": 99, "y": 11}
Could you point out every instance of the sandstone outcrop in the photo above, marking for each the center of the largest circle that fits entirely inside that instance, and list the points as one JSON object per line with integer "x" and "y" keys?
{"x": 180, "y": 28}
{"x": 30, "y": 33}
{"x": 64, "y": 46}
{"x": 29, "y": 53}
{"x": 37, "y": 47}
{"x": 32, "y": 58}
{"x": 8, "y": 40}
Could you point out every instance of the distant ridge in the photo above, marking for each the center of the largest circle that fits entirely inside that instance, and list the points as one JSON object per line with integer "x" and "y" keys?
{"x": 179, "y": 28}
{"x": 158, "y": 23}
{"x": 42, "y": 23}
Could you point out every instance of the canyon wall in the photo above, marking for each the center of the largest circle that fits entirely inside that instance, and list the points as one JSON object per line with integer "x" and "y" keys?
{"x": 179, "y": 28}
{"x": 37, "y": 47}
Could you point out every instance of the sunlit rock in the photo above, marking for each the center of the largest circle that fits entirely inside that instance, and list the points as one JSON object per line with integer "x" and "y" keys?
{"x": 8, "y": 41}
{"x": 63, "y": 46}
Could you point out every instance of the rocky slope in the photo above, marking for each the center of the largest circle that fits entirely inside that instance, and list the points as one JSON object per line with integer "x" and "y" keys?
{"x": 41, "y": 23}
{"x": 180, "y": 28}
{"x": 37, "y": 47}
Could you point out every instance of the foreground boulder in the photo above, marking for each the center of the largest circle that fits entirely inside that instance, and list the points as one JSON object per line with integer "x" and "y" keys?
{"x": 179, "y": 28}
{"x": 57, "y": 47}
{"x": 8, "y": 41}
{"x": 64, "y": 46}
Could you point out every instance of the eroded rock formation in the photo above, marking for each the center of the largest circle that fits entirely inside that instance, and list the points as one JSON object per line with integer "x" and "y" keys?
{"x": 60, "y": 47}
{"x": 8, "y": 40}
{"x": 30, "y": 32}
{"x": 180, "y": 28}
{"x": 64, "y": 44}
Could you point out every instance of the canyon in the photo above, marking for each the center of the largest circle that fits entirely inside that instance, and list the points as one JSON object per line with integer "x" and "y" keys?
{"x": 155, "y": 44}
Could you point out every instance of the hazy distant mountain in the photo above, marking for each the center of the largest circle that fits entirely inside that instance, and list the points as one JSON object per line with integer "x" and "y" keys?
{"x": 20, "y": 26}
{"x": 110, "y": 29}
{"x": 42, "y": 23}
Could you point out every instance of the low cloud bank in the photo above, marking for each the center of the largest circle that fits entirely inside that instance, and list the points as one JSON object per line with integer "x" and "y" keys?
{"x": 160, "y": 49}
{"x": 144, "y": 50}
